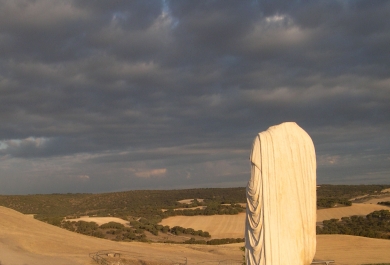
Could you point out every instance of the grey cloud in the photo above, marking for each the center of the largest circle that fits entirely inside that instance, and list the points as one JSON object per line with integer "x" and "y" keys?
{"x": 125, "y": 88}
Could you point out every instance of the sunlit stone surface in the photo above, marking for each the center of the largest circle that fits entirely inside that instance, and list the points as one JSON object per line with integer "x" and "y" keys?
{"x": 281, "y": 196}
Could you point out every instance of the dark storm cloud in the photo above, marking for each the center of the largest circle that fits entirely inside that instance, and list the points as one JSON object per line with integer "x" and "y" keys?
{"x": 167, "y": 94}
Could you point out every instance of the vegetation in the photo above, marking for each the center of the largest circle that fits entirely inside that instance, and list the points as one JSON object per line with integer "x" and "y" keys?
{"x": 385, "y": 203}
{"x": 339, "y": 195}
{"x": 374, "y": 225}
{"x": 211, "y": 208}
{"x": 220, "y": 241}
{"x": 145, "y": 209}
{"x": 149, "y": 203}
{"x": 348, "y": 191}
{"x": 243, "y": 256}
{"x": 119, "y": 232}
{"x": 332, "y": 202}
{"x": 146, "y": 203}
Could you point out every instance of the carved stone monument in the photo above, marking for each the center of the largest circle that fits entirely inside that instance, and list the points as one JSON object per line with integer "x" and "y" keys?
{"x": 280, "y": 224}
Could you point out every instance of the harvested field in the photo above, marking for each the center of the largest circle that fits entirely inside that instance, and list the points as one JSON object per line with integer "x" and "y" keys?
{"x": 188, "y": 201}
{"x": 377, "y": 199}
{"x": 24, "y": 240}
{"x": 219, "y": 226}
{"x": 100, "y": 220}
{"x": 355, "y": 209}
{"x": 353, "y": 250}
{"x": 223, "y": 226}
{"x": 359, "y": 197}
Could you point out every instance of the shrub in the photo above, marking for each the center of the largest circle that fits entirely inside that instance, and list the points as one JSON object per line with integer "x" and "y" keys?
{"x": 112, "y": 225}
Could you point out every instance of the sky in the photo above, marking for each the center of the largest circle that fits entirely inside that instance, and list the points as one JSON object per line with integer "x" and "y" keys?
{"x": 105, "y": 96}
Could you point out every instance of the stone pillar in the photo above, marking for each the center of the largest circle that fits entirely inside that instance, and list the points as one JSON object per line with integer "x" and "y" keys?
{"x": 280, "y": 224}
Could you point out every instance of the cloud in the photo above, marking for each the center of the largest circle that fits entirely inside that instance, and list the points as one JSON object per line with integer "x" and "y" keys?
{"x": 95, "y": 88}
{"x": 83, "y": 177}
{"x": 39, "y": 15}
{"x": 151, "y": 173}
{"x": 30, "y": 146}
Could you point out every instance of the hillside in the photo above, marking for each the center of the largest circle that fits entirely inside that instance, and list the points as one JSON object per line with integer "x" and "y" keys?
{"x": 199, "y": 209}
{"x": 149, "y": 203}
{"x": 355, "y": 209}
{"x": 218, "y": 226}
{"x": 138, "y": 203}
{"x": 24, "y": 240}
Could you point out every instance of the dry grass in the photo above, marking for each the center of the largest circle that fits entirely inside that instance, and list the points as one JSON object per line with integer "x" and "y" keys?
{"x": 100, "y": 220}
{"x": 355, "y": 209}
{"x": 189, "y": 201}
{"x": 223, "y": 226}
{"x": 377, "y": 199}
{"x": 219, "y": 226}
{"x": 24, "y": 240}
{"x": 353, "y": 250}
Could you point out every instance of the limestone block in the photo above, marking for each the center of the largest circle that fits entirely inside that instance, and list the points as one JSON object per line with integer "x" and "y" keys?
{"x": 280, "y": 224}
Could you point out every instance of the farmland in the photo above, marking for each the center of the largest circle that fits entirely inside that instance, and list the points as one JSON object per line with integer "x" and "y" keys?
{"x": 28, "y": 241}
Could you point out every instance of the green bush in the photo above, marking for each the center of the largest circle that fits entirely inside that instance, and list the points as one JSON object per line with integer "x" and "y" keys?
{"x": 374, "y": 225}
{"x": 112, "y": 225}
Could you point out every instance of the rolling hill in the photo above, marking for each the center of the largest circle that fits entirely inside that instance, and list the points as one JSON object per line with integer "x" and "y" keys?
{"x": 24, "y": 240}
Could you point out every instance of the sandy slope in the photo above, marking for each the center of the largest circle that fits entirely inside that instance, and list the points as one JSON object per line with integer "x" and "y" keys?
{"x": 24, "y": 240}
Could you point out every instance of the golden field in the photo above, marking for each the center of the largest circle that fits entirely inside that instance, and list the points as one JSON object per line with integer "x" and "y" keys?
{"x": 223, "y": 226}
{"x": 24, "y": 240}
